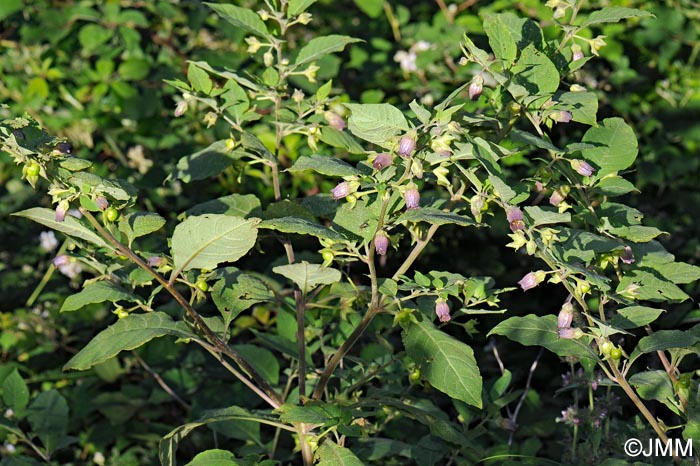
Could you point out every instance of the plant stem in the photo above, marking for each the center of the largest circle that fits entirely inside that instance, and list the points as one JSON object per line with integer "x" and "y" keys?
{"x": 629, "y": 391}
{"x": 417, "y": 249}
{"x": 220, "y": 346}
{"x": 47, "y": 276}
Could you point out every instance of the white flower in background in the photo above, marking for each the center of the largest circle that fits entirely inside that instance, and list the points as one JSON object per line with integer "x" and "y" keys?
{"x": 68, "y": 266}
{"x": 421, "y": 46}
{"x": 48, "y": 241}
{"x": 406, "y": 60}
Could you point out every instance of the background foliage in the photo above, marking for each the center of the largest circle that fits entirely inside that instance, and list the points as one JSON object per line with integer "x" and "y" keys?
{"x": 93, "y": 72}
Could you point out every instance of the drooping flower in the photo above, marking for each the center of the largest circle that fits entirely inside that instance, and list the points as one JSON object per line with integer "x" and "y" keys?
{"x": 515, "y": 219}
{"x": 48, "y": 241}
{"x": 68, "y": 266}
{"x": 341, "y": 191}
{"x": 180, "y": 108}
{"x": 61, "y": 210}
{"x": 381, "y": 161}
{"x": 381, "y": 243}
{"x": 556, "y": 198}
{"x": 412, "y": 198}
{"x": 566, "y": 316}
{"x": 562, "y": 116}
{"x": 407, "y": 145}
{"x": 335, "y": 120}
{"x": 627, "y": 256}
{"x": 101, "y": 202}
{"x": 582, "y": 167}
{"x": 531, "y": 280}
{"x": 570, "y": 333}
{"x": 576, "y": 53}
{"x": 442, "y": 309}
{"x": 476, "y": 87}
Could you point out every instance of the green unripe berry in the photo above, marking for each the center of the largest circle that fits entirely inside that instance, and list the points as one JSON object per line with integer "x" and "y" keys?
{"x": 33, "y": 169}
{"x": 202, "y": 285}
{"x": 616, "y": 353}
{"x": 414, "y": 375}
{"x": 327, "y": 256}
{"x": 111, "y": 214}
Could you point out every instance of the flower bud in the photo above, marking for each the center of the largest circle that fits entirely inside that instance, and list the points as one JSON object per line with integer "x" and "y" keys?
{"x": 442, "y": 309}
{"x": 532, "y": 279}
{"x": 180, "y": 108}
{"x": 576, "y": 53}
{"x": 582, "y": 167}
{"x": 515, "y": 219}
{"x": 155, "y": 261}
{"x": 381, "y": 243}
{"x": 407, "y": 145}
{"x": 562, "y": 116}
{"x": 556, "y": 198}
{"x": 101, "y": 202}
{"x": 412, "y": 198}
{"x": 268, "y": 59}
{"x": 570, "y": 333}
{"x": 577, "y": 88}
{"x": 341, "y": 190}
{"x": 335, "y": 120}
{"x": 566, "y": 316}
{"x": 476, "y": 87}
{"x": 304, "y": 18}
{"x": 61, "y": 210}
{"x": 381, "y": 161}
{"x": 210, "y": 119}
{"x": 298, "y": 96}
{"x": 627, "y": 257}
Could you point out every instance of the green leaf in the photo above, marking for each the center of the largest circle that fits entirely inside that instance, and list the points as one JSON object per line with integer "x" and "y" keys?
{"x": 262, "y": 360}
{"x": 92, "y": 36}
{"x": 655, "y": 385}
{"x": 340, "y": 139}
{"x": 307, "y": 276}
{"x": 315, "y": 412}
{"x": 242, "y": 18}
{"x": 376, "y": 123}
{"x": 140, "y": 224}
{"x": 199, "y": 79}
{"x": 583, "y": 106}
{"x": 679, "y": 272}
{"x": 446, "y": 363}
{"x": 435, "y": 217}
{"x": 503, "y": 191}
{"x": 97, "y": 292}
{"x": 529, "y": 138}
{"x": 532, "y": 330}
{"x": 320, "y": 46}
{"x": 665, "y": 339}
{"x": 9, "y": 7}
{"x": 205, "y": 163}
{"x": 500, "y": 38}
{"x": 634, "y": 317}
{"x": 75, "y": 164}
{"x": 300, "y": 226}
{"x": 648, "y": 286}
{"x": 613, "y": 15}
{"x": 372, "y": 8}
{"x": 214, "y": 458}
{"x": 636, "y": 233}
{"x": 126, "y": 334}
{"x": 546, "y": 216}
{"x": 15, "y": 393}
{"x": 330, "y": 454}
{"x": 204, "y": 241}
{"x": 48, "y": 416}
{"x": 535, "y": 74}
{"x": 298, "y": 6}
{"x": 235, "y": 291}
{"x": 613, "y": 185}
{"x": 329, "y": 166}
{"x": 421, "y": 112}
{"x": 70, "y": 225}
{"x": 237, "y": 205}
{"x": 616, "y": 146}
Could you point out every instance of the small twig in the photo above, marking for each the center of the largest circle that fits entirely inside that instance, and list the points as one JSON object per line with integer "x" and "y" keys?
{"x": 514, "y": 418}
{"x": 163, "y": 384}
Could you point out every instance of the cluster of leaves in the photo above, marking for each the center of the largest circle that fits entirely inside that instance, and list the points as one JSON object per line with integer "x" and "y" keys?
{"x": 481, "y": 131}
